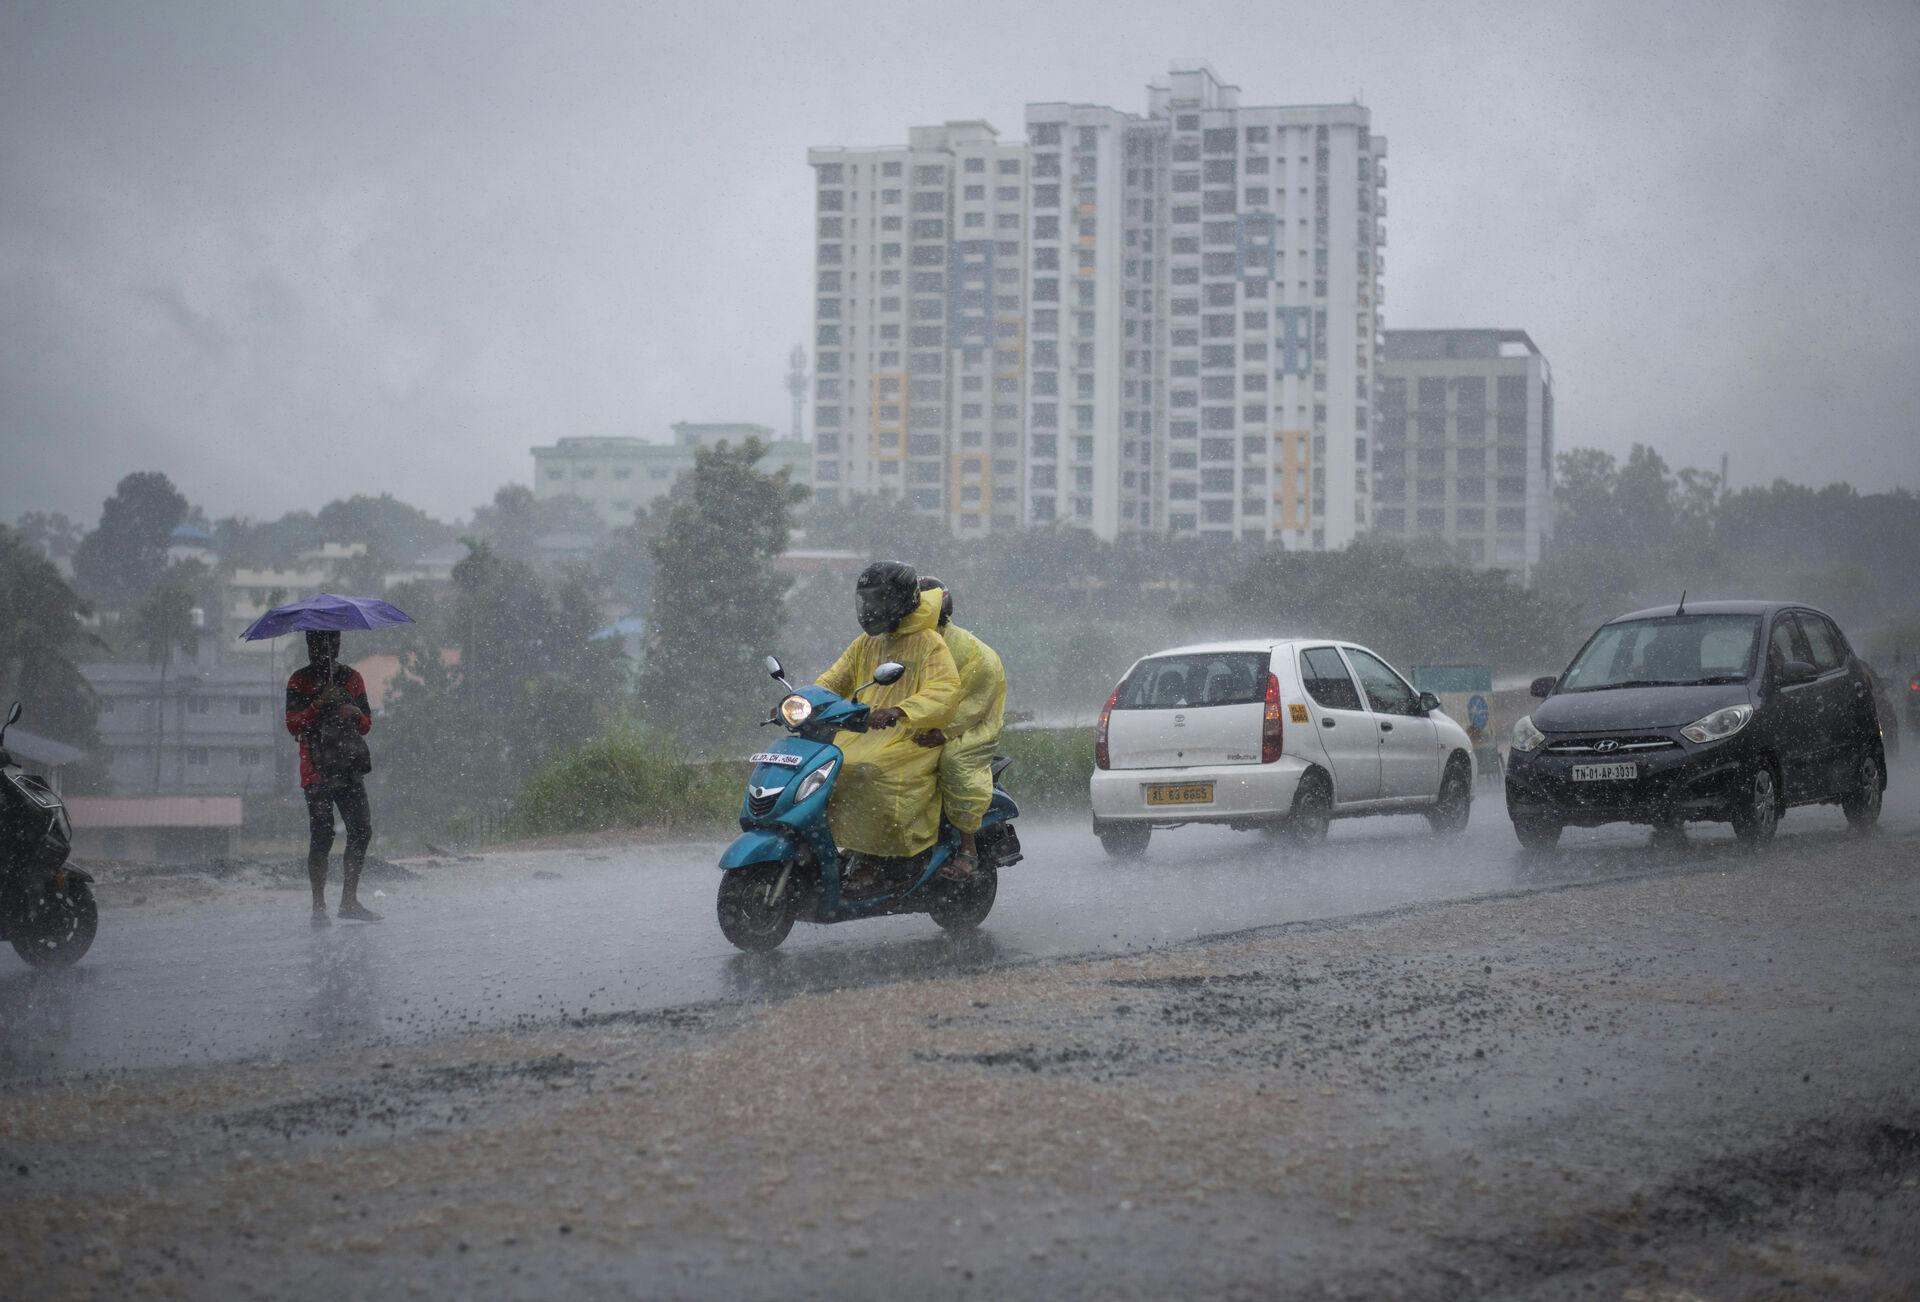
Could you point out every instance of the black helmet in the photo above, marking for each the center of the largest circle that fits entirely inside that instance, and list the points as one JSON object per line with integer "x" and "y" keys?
{"x": 885, "y": 593}
{"x": 946, "y": 597}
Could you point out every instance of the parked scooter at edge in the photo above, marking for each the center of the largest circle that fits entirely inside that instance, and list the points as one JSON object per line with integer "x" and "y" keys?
{"x": 46, "y": 908}
{"x": 784, "y": 865}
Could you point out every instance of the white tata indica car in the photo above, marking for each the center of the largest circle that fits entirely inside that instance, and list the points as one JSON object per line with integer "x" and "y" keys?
{"x": 1275, "y": 735}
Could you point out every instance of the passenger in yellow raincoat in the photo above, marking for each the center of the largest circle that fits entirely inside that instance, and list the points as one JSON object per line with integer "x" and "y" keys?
{"x": 968, "y": 741}
{"x": 887, "y": 801}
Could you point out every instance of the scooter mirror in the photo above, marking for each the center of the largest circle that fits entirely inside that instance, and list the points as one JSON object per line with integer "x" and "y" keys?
{"x": 889, "y": 673}
{"x": 13, "y": 715}
{"x": 774, "y": 669}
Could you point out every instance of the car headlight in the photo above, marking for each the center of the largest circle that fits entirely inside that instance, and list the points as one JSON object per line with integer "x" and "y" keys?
{"x": 1719, "y": 725}
{"x": 814, "y": 781}
{"x": 1526, "y": 737}
{"x": 796, "y": 710}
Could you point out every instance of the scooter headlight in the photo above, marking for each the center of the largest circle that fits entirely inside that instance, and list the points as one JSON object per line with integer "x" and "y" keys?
{"x": 796, "y": 710}
{"x": 1719, "y": 725}
{"x": 814, "y": 780}
{"x": 1526, "y": 737}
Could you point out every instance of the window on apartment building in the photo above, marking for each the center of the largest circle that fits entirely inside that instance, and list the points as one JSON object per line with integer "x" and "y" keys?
{"x": 829, "y": 173}
{"x": 889, "y": 197}
{"x": 249, "y": 757}
{"x": 929, "y": 174}
{"x": 1470, "y": 519}
{"x": 198, "y": 756}
{"x": 1511, "y": 519}
{"x": 1511, "y": 488}
{"x": 889, "y": 169}
{"x": 974, "y": 165}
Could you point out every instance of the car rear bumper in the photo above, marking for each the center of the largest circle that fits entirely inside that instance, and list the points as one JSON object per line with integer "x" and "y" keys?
{"x": 1241, "y": 793}
{"x": 1688, "y": 783}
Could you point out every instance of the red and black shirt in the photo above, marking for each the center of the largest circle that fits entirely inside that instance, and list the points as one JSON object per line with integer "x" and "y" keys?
{"x": 304, "y": 710}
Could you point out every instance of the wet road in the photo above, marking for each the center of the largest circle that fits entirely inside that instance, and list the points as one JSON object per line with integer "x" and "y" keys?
{"x": 606, "y": 934}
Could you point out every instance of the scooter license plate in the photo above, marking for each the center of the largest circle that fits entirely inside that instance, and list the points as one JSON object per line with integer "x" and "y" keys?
{"x": 1605, "y": 772}
{"x": 1180, "y": 793}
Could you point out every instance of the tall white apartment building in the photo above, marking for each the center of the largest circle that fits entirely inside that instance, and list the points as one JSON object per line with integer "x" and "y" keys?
{"x": 1205, "y": 287}
{"x": 1463, "y": 444}
{"x": 919, "y": 324}
{"x": 1163, "y": 323}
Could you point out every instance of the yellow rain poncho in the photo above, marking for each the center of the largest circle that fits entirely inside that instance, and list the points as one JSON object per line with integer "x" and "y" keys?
{"x": 887, "y": 802}
{"x": 966, "y": 761}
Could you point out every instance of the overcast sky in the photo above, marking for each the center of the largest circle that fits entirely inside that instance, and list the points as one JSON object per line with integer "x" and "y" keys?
{"x": 286, "y": 252}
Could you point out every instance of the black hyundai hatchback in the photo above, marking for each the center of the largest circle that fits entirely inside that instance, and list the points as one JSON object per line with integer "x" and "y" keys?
{"x": 1723, "y": 711}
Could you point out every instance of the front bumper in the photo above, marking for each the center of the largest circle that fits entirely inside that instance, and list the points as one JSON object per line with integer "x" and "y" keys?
{"x": 1684, "y": 783}
{"x": 1241, "y": 793}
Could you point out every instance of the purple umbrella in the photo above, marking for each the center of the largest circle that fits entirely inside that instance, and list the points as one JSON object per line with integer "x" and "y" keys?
{"x": 326, "y": 613}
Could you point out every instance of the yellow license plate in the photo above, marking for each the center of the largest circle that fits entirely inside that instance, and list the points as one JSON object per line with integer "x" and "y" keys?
{"x": 1180, "y": 793}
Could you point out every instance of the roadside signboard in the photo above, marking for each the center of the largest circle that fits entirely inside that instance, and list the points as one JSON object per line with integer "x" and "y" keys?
{"x": 1466, "y": 694}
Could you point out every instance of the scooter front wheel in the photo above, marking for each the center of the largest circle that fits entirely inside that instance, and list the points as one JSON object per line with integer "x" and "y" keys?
{"x": 58, "y": 926}
{"x": 748, "y": 917}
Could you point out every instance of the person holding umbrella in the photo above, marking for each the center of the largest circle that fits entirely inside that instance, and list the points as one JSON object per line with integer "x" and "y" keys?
{"x": 328, "y": 711}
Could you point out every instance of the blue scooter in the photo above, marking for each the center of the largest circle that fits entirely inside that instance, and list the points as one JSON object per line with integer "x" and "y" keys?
{"x": 784, "y": 865}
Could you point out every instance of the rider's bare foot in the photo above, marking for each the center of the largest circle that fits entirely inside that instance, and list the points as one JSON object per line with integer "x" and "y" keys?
{"x": 961, "y": 866}
{"x": 358, "y": 912}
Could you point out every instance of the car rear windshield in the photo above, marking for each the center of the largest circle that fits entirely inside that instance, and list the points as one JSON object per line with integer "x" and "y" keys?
{"x": 1186, "y": 681}
{"x": 1669, "y": 651}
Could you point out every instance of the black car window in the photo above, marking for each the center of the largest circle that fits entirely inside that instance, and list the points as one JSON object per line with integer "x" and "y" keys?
{"x": 1386, "y": 691}
{"x": 1822, "y": 641}
{"x": 1786, "y": 643}
{"x": 1184, "y": 681}
{"x": 1327, "y": 680}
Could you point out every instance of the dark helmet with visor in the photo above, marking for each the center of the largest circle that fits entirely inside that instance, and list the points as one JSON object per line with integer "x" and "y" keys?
{"x": 885, "y": 593}
{"x": 946, "y": 597}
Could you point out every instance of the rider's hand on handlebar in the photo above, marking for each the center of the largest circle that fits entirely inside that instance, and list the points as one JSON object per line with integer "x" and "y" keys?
{"x": 885, "y": 717}
{"x": 931, "y": 738}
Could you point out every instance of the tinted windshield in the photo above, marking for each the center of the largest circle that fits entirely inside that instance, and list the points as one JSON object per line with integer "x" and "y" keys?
{"x": 1666, "y": 652}
{"x": 1176, "y": 682}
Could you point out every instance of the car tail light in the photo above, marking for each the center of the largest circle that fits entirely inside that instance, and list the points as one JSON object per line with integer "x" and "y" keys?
{"x": 1913, "y": 684}
{"x": 1270, "y": 723}
{"x": 1100, "y": 756}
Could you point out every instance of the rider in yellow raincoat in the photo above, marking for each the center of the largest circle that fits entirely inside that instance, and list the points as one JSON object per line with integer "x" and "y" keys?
{"x": 970, "y": 738}
{"x": 887, "y": 802}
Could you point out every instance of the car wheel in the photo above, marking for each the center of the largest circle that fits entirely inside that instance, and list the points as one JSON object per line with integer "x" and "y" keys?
{"x": 1123, "y": 840}
{"x": 1454, "y": 805}
{"x": 1862, "y": 805}
{"x": 1757, "y": 817}
{"x": 1312, "y": 810}
{"x": 1537, "y": 832}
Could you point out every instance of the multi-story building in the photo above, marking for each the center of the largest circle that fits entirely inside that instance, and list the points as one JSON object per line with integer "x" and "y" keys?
{"x": 619, "y": 475}
{"x": 1217, "y": 274}
{"x": 208, "y": 724}
{"x": 1463, "y": 447}
{"x": 1201, "y": 286}
{"x": 919, "y": 324}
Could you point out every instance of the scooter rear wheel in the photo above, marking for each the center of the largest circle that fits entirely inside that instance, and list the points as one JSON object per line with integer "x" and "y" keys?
{"x": 746, "y": 917}
{"x": 963, "y": 905}
{"x": 59, "y": 926}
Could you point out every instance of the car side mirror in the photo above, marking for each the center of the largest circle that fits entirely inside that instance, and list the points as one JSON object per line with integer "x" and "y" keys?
{"x": 1795, "y": 672}
{"x": 1428, "y": 702}
{"x": 889, "y": 673}
{"x": 1543, "y": 687}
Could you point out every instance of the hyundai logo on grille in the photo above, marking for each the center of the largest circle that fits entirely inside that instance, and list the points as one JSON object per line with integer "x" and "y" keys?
{"x": 1607, "y": 744}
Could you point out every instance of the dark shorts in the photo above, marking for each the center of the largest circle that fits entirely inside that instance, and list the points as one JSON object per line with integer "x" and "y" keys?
{"x": 350, "y": 798}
